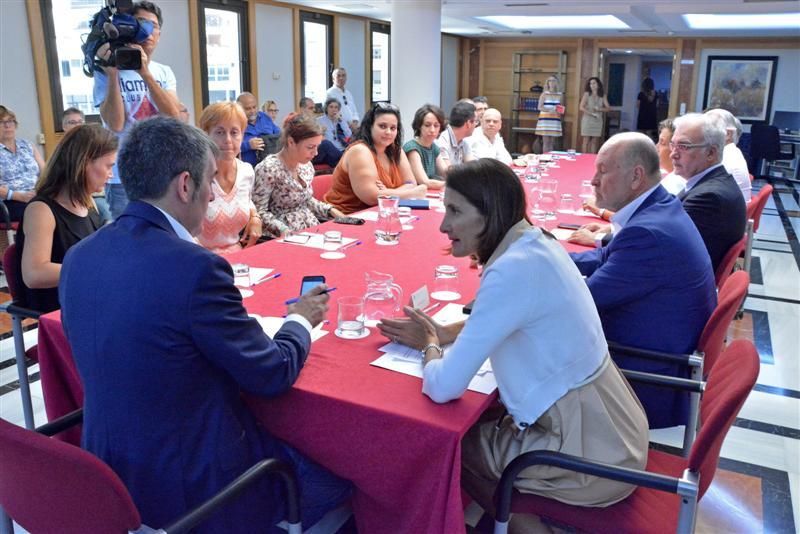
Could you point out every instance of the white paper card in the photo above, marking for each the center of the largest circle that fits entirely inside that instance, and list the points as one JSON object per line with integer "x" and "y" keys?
{"x": 451, "y": 313}
{"x": 271, "y": 325}
{"x": 315, "y": 241}
{"x": 420, "y": 298}
{"x": 257, "y": 274}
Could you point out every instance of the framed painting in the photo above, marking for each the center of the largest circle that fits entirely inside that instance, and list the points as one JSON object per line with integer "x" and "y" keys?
{"x": 741, "y": 84}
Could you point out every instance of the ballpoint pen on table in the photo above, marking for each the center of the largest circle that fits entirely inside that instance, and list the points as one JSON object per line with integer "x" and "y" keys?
{"x": 345, "y": 247}
{"x": 292, "y": 301}
{"x": 432, "y": 307}
{"x": 267, "y": 279}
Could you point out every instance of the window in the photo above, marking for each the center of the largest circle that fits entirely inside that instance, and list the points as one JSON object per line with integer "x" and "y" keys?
{"x": 316, "y": 54}
{"x": 66, "y": 24}
{"x": 379, "y": 37}
{"x": 223, "y": 49}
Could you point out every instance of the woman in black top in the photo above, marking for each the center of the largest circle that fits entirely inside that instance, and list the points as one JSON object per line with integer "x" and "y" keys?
{"x": 647, "y": 104}
{"x": 63, "y": 211}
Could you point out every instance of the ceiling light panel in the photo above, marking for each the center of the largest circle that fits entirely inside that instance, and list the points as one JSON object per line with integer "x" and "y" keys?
{"x": 750, "y": 21}
{"x": 547, "y": 22}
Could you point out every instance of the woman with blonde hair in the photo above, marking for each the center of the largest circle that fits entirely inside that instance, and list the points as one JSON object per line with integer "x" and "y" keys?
{"x": 548, "y": 127}
{"x": 282, "y": 194}
{"x": 63, "y": 211}
{"x": 232, "y": 211}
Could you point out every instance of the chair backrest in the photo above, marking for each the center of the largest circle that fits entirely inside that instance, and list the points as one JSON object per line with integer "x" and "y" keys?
{"x": 756, "y": 205}
{"x": 726, "y": 265}
{"x": 729, "y": 384}
{"x": 321, "y": 184}
{"x": 49, "y": 486}
{"x": 765, "y": 141}
{"x": 11, "y": 270}
{"x": 712, "y": 340}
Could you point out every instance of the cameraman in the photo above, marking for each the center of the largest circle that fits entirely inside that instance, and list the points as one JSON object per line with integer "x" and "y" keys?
{"x": 125, "y": 96}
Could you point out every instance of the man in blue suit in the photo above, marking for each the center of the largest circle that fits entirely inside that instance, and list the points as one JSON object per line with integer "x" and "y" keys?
{"x": 712, "y": 198}
{"x": 653, "y": 284}
{"x": 164, "y": 346}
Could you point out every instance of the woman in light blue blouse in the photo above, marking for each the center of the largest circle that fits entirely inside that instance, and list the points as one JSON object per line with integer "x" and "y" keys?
{"x": 20, "y": 165}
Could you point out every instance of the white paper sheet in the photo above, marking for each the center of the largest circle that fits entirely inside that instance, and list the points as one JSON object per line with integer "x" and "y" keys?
{"x": 373, "y": 216}
{"x": 562, "y": 234}
{"x": 403, "y": 359}
{"x": 257, "y": 274}
{"x": 318, "y": 241}
{"x": 271, "y": 325}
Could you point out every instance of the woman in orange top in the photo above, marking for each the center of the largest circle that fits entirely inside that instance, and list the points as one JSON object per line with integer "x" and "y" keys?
{"x": 374, "y": 164}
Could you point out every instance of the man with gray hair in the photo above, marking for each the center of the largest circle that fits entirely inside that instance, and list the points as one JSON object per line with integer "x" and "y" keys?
{"x": 732, "y": 158}
{"x": 652, "y": 284}
{"x": 164, "y": 346}
{"x": 345, "y": 98}
{"x": 711, "y": 197}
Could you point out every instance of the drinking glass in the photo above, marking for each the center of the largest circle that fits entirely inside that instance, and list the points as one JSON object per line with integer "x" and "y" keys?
{"x": 549, "y": 203}
{"x": 587, "y": 191}
{"x": 566, "y": 205}
{"x": 241, "y": 274}
{"x": 445, "y": 283}
{"x": 350, "y": 318}
{"x": 572, "y": 152}
{"x": 332, "y": 240}
{"x": 536, "y": 193}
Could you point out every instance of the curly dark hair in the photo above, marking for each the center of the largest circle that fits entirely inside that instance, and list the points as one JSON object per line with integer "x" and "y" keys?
{"x": 364, "y": 133}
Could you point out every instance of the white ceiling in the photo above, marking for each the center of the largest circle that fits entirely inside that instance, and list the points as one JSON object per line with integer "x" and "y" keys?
{"x": 645, "y": 17}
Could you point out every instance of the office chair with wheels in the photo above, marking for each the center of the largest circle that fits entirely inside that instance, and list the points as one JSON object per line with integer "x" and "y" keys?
{"x": 671, "y": 486}
{"x": 47, "y": 485}
{"x": 765, "y": 147}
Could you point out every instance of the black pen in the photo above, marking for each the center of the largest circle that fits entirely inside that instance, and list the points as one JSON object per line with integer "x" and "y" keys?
{"x": 292, "y": 301}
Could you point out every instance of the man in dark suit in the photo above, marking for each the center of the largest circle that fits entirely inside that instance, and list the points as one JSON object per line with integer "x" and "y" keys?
{"x": 712, "y": 198}
{"x": 653, "y": 284}
{"x": 164, "y": 346}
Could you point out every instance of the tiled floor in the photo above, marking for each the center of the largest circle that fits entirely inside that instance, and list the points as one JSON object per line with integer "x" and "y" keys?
{"x": 757, "y": 487}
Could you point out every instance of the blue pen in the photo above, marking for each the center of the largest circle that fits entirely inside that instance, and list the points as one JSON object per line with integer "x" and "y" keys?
{"x": 292, "y": 301}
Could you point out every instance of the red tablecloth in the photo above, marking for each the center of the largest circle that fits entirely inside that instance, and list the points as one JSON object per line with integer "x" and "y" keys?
{"x": 367, "y": 424}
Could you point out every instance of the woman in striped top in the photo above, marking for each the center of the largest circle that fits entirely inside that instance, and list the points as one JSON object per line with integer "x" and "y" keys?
{"x": 550, "y": 110}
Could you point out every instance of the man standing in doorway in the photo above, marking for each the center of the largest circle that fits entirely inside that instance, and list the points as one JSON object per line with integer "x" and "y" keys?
{"x": 345, "y": 98}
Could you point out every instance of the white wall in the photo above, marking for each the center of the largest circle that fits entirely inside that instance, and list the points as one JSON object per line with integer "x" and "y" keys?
{"x": 17, "y": 79}
{"x": 450, "y": 64}
{"x": 174, "y": 49}
{"x": 785, "y": 97}
{"x": 275, "y": 57}
{"x": 352, "y": 42}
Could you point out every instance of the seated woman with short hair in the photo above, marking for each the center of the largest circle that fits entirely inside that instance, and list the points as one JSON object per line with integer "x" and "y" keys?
{"x": 374, "y": 164}
{"x": 335, "y": 129}
{"x": 63, "y": 211}
{"x": 232, "y": 212}
{"x": 282, "y": 193}
{"x": 535, "y": 320}
{"x": 423, "y": 153}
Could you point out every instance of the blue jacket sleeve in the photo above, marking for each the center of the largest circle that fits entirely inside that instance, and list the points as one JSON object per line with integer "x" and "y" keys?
{"x": 225, "y": 335}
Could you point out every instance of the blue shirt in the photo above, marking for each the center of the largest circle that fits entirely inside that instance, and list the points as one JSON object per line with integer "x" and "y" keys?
{"x": 18, "y": 170}
{"x": 263, "y": 126}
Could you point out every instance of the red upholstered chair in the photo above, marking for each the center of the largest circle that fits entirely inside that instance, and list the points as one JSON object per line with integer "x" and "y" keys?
{"x": 669, "y": 489}
{"x": 321, "y": 184}
{"x": 709, "y": 346}
{"x": 322, "y": 168}
{"x": 47, "y": 485}
{"x": 757, "y": 203}
{"x": 725, "y": 267}
{"x": 18, "y": 313}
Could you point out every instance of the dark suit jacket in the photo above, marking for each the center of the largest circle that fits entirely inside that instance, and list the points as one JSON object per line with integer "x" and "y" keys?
{"x": 654, "y": 289}
{"x": 717, "y": 207}
{"x": 163, "y": 346}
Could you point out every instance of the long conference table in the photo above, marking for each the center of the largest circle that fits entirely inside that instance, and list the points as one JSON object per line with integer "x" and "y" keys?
{"x": 367, "y": 424}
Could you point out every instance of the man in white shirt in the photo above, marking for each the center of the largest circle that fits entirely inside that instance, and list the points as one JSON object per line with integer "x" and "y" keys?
{"x": 345, "y": 98}
{"x": 486, "y": 142}
{"x": 732, "y": 158}
{"x": 453, "y": 140}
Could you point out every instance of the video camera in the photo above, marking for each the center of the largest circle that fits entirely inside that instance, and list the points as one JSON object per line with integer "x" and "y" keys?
{"x": 115, "y": 26}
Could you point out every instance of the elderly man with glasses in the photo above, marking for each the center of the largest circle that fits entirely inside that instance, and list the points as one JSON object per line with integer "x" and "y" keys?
{"x": 72, "y": 118}
{"x": 712, "y": 198}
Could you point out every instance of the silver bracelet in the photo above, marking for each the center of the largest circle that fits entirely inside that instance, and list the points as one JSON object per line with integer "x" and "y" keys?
{"x": 432, "y": 346}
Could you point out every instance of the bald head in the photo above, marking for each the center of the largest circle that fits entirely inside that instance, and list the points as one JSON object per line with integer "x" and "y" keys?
{"x": 626, "y": 167}
{"x": 250, "y": 105}
{"x": 492, "y": 122}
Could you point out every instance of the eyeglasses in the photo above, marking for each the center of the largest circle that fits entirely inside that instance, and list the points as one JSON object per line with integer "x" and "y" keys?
{"x": 683, "y": 147}
{"x": 75, "y": 122}
{"x": 9, "y": 122}
{"x": 388, "y": 106}
{"x": 273, "y": 110}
